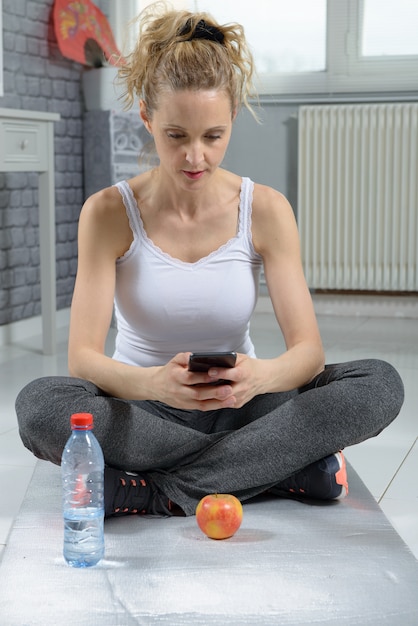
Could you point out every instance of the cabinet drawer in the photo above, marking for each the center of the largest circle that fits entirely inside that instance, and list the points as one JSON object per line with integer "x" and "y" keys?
{"x": 23, "y": 145}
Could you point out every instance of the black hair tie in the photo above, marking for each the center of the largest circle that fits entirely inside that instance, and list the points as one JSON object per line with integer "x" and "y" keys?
{"x": 203, "y": 31}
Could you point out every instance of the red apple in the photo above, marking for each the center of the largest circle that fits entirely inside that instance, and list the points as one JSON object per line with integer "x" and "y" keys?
{"x": 219, "y": 515}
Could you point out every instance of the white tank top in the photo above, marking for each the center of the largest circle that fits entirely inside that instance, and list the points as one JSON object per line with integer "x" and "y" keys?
{"x": 164, "y": 305}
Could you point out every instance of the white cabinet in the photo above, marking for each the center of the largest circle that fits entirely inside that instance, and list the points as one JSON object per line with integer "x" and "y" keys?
{"x": 27, "y": 145}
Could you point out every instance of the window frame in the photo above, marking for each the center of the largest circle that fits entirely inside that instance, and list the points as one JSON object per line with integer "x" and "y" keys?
{"x": 373, "y": 64}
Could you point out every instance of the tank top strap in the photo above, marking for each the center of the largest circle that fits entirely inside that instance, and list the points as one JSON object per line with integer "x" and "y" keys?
{"x": 131, "y": 206}
{"x": 245, "y": 212}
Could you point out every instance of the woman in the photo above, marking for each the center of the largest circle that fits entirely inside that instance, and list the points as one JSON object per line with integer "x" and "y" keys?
{"x": 176, "y": 252}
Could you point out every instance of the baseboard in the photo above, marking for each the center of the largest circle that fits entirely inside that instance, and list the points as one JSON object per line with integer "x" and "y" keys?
{"x": 357, "y": 305}
{"x": 24, "y": 329}
{"x": 366, "y": 305}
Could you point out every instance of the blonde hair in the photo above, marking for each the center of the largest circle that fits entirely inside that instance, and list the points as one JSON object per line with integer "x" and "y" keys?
{"x": 167, "y": 57}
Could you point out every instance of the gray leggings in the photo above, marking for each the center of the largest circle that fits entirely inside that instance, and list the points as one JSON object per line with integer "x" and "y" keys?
{"x": 188, "y": 454}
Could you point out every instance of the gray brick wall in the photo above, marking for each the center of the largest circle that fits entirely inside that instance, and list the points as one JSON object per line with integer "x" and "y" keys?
{"x": 37, "y": 77}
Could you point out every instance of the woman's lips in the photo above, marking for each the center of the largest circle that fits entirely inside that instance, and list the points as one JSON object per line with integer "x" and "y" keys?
{"x": 193, "y": 175}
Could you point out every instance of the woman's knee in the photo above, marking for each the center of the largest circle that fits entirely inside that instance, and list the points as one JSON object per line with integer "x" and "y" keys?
{"x": 43, "y": 410}
{"x": 32, "y": 400}
{"x": 371, "y": 391}
{"x": 388, "y": 387}
{"x": 378, "y": 393}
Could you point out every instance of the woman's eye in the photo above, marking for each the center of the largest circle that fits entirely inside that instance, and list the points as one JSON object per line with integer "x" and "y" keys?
{"x": 175, "y": 135}
{"x": 213, "y": 137}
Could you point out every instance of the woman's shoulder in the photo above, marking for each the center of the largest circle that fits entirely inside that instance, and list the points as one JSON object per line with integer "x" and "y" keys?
{"x": 104, "y": 224}
{"x": 112, "y": 196}
{"x": 103, "y": 202}
{"x": 265, "y": 200}
{"x": 265, "y": 193}
{"x": 272, "y": 218}
{"x": 268, "y": 201}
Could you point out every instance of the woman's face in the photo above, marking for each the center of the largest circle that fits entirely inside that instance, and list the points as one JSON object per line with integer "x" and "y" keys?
{"x": 191, "y": 131}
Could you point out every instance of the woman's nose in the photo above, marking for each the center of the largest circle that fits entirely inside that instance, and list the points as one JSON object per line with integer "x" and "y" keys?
{"x": 194, "y": 153}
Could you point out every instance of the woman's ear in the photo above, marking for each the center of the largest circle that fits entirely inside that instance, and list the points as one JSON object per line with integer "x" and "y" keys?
{"x": 144, "y": 115}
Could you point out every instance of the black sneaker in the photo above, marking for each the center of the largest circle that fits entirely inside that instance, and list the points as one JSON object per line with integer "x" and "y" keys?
{"x": 127, "y": 492}
{"x": 324, "y": 480}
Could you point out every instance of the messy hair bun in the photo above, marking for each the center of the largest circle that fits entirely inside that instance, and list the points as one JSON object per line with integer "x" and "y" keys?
{"x": 174, "y": 53}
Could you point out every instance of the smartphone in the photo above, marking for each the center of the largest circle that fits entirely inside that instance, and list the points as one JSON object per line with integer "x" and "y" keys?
{"x": 202, "y": 361}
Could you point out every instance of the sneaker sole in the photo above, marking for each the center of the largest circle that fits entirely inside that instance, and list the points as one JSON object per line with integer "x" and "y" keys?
{"x": 341, "y": 476}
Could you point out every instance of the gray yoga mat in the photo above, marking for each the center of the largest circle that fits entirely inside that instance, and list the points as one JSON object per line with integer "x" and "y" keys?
{"x": 290, "y": 563}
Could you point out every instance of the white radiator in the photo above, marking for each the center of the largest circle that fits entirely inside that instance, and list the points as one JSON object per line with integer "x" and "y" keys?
{"x": 358, "y": 196}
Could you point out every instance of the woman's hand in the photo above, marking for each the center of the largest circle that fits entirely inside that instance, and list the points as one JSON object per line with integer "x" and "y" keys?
{"x": 176, "y": 386}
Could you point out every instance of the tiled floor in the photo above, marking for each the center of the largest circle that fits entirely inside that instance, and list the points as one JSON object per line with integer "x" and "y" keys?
{"x": 388, "y": 464}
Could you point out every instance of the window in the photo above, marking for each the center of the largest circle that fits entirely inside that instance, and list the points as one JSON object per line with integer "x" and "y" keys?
{"x": 388, "y": 30}
{"x": 382, "y": 52}
{"x": 326, "y": 46}
{"x": 278, "y": 42}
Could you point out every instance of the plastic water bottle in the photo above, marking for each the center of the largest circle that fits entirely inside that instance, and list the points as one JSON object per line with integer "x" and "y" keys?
{"x": 82, "y": 470}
